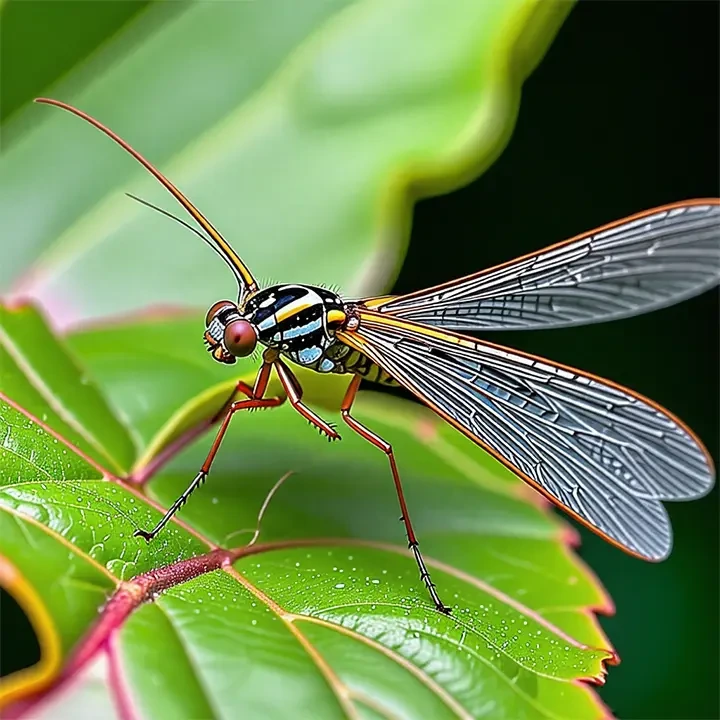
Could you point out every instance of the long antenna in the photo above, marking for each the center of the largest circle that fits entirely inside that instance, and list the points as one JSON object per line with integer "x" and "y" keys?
{"x": 241, "y": 271}
{"x": 168, "y": 214}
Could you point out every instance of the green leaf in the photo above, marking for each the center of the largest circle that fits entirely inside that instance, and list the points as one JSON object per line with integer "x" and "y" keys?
{"x": 48, "y": 385}
{"x": 304, "y": 164}
{"x": 325, "y": 613}
{"x": 70, "y": 34}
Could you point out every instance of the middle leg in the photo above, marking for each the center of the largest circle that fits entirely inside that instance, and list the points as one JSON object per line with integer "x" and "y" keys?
{"x": 294, "y": 393}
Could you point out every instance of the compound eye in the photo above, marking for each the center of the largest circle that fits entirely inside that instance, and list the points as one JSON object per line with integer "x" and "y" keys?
{"x": 217, "y": 308}
{"x": 240, "y": 338}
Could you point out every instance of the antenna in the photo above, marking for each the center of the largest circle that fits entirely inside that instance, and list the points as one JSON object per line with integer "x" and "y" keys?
{"x": 245, "y": 279}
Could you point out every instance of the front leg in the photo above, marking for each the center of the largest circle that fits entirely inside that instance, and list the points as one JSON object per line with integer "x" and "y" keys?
{"x": 255, "y": 400}
{"x": 294, "y": 392}
{"x": 252, "y": 392}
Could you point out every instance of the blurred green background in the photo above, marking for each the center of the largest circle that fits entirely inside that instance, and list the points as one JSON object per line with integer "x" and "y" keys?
{"x": 621, "y": 115}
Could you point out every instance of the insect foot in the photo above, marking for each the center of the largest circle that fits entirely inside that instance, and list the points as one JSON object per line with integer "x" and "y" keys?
{"x": 148, "y": 536}
{"x": 327, "y": 429}
{"x": 335, "y": 435}
{"x": 197, "y": 481}
{"x": 429, "y": 584}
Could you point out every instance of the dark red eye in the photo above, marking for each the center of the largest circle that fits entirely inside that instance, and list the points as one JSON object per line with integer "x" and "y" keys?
{"x": 240, "y": 338}
{"x": 216, "y": 308}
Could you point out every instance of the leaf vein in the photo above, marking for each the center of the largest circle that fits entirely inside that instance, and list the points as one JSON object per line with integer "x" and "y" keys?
{"x": 336, "y": 685}
{"x": 51, "y": 398}
{"x": 431, "y": 684}
{"x": 203, "y": 689}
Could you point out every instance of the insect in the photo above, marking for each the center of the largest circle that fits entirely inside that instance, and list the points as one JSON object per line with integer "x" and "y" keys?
{"x": 601, "y": 452}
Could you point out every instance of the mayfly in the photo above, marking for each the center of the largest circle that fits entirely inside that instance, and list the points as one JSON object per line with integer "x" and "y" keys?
{"x": 603, "y": 453}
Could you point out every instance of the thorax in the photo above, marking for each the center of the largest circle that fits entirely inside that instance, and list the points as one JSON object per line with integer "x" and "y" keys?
{"x": 297, "y": 320}
{"x": 300, "y": 321}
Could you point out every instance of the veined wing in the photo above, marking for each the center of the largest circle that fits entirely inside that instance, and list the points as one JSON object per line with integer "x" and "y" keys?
{"x": 603, "y": 453}
{"x": 635, "y": 265}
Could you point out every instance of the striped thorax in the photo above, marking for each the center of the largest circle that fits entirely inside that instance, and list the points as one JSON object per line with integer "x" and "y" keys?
{"x": 297, "y": 320}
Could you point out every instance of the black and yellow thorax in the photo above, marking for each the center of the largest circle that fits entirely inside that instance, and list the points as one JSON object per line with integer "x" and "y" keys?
{"x": 300, "y": 322}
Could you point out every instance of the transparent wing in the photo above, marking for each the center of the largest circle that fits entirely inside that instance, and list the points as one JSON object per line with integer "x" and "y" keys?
{"x": 642, "y": 263}
{"x": 603, "y": 453}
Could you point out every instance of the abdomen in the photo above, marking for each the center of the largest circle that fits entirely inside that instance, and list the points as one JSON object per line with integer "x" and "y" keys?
{"x": 358, "y": 364}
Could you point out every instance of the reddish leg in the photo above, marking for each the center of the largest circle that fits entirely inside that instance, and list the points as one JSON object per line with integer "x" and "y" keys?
{"x": 255, "y": 400}
{"x": 253, "y": 393}
{"x": 378, "y": 442}
{"x": 294, "y": 393}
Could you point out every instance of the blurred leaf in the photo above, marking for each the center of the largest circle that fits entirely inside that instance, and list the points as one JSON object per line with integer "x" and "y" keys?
{"x": 299, "y": 128}
{"x": 43, "y": 40}
{"x": 327, "y": 615}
